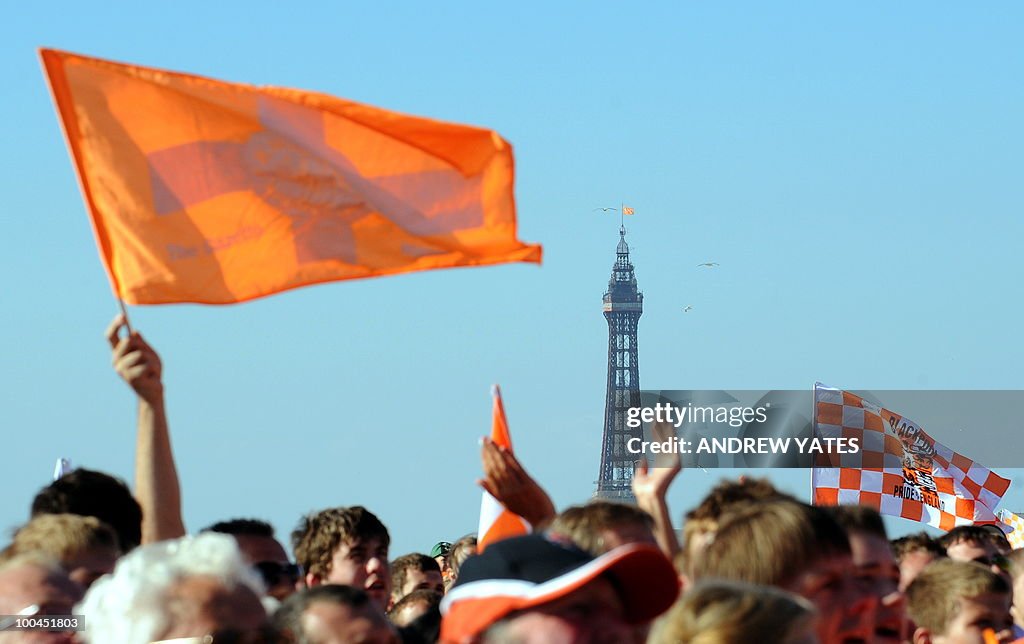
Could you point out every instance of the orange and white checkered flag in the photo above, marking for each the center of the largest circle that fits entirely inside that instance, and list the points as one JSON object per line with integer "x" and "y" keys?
{"x": 626, "y": 210}
{"x": 899, "y": 470}
{"x": 1017, "y": 523}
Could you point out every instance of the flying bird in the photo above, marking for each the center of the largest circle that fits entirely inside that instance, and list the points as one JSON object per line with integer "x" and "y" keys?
{"x": 687, "y": 308}
{"x": 708, "y": 264}
{"x": 605, "y": 209}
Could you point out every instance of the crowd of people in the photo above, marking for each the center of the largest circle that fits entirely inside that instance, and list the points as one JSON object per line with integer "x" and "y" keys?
{"x": 751, "y": 564}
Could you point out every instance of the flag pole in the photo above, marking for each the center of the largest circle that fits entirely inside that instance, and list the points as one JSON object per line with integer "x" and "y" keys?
{"x": 124, "y": 312}
{"x": 814, "y": 432}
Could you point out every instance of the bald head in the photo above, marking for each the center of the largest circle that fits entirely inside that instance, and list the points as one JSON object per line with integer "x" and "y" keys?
{"x": 202, "y": 604}
{"x": 333, "y": 614}
{"x": 327, "y": 622}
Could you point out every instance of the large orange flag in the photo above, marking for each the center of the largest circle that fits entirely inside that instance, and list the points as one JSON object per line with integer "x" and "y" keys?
{"x": 497, "y": 522}
{"x": 213, "y": 192}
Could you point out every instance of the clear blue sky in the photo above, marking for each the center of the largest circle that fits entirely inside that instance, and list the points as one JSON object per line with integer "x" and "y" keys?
{"x": 855, "y": 168}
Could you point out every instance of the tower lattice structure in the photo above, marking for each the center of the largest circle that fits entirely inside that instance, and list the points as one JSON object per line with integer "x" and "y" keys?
{"x": 623, "y": 306}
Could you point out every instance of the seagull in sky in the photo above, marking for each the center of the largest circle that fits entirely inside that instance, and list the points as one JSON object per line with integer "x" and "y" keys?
{"x": 708, "y": 264}
{"x": 605, "y": 209}
{"x": 687, "y": 308}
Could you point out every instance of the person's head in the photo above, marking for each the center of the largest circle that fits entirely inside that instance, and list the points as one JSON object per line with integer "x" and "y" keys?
{"x": 968, "y": 543}
{"x": 94, "y": 494}
{"x": 461, "y": 550}
{"x": 700, "y": 523}
{"x": 913, "y": 552}
{"x": 875, "y": 568}
{"x": 955, "y": 602}
{"x": 33, "y": 580}
{"x": 599, "y": 526}
{"x": 795, "y": 547}
{"x": 264, "y": 552}
{"x": 424, "y": 629}
{"x": 84, "y": 546}
{"x": 415, "y": 572}
{"x": 440, "y": 554}
{"x": 413, "y": 606}
{"x": 723, "y": 612}
{"x": 1016, "y": 560}
{"x": 347, "y": 546}
{"x": 188, "y": 587}
{"x": 440, "y": 551}
{"x": 532, "y": 589}
{"x": 333, "y": 614}
{"x": 975, "y": 543}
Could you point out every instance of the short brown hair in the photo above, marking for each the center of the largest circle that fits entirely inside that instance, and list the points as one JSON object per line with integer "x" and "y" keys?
{"x": 933, "y": 598}
{"x": 917, "y": 542}
{"x": 62, "y": 537}
{"x": 721, "y": 611}
{"x": 320, "y": 534}
{"x": 727, "y": 494}
{"x": 705, "y": 518}
{"x": 770, "y": 543}
{"x": 585, "y": 524}
{"x": 976, "y": 533}
{"x": 400, "y": 570}
{"x": 859, "y": 518}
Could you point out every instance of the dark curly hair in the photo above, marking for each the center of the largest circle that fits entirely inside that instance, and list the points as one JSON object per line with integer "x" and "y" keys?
{"x": 320, "y": 534}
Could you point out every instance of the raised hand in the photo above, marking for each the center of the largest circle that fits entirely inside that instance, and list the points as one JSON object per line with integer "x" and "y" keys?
{"x": 136, "y": 362}
{"x": 650, "y": 487}
{"x": 507, "y": 481}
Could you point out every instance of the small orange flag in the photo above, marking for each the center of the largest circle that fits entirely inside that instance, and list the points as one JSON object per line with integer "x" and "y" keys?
{"x": 626, "y": 210}
{"x": 497, "y": 522}
{"x": 212, "y": 192}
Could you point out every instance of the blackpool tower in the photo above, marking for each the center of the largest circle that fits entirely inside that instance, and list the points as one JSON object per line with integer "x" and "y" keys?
{"x": 623, "y": 305}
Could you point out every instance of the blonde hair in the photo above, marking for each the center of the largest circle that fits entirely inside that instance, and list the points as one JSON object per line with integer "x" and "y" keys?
{"x": 697, "y": 534}
{"x": 461, "y": 550}
{"x": 933, "y": 598}
{"x": 62, "y": 537}
{"x": 723, "y": 612}
{"x": 770, "y": 543}
{"x": 39, "y": 559}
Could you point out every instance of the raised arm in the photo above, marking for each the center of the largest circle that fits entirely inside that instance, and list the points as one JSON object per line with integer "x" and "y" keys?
{"x": 650, "y": 487}
{"x": 156, "y": 479}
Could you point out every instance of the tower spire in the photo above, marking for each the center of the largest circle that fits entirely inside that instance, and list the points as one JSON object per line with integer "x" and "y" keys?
{"x": 623, "y": 306}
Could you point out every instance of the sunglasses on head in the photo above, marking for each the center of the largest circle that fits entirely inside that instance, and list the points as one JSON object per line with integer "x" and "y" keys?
{"x": 999, "y": 561}
{"x": 275, "y": 572}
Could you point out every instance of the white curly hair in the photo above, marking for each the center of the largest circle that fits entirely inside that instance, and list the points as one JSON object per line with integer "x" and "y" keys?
{"x": 129, "y": 606}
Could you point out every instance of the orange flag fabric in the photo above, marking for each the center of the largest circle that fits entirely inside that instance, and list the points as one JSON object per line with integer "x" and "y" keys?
{"x": 212, "y": 192}
{"x": 497, "y": 522}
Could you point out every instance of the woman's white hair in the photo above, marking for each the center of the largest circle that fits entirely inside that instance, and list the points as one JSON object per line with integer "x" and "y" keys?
{"x": 129, "y": 606}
